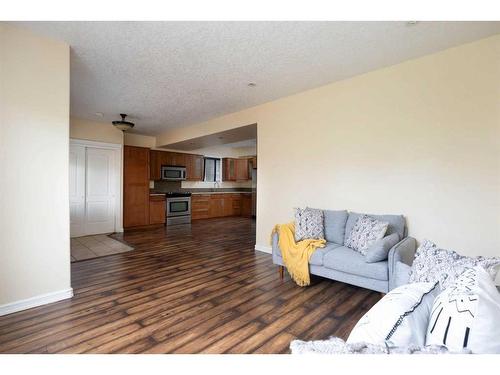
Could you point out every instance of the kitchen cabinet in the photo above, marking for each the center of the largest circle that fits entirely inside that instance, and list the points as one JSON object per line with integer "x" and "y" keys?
{"x": 154, "y": 165}
{"x": 200, "y": 204}
{"x": 216, "y": 205}
{"x": 205, "y": 206}
{"x": 157, "y": 206}
{"x": 193, "y": 164}
{"x": 228, "y": 169}
{"x": 194, "y": 167}
{"x": 135, "y": 186}
{"x": 235, "y": 169}
{"x": 242, "y": 170}
{"x": 253, "y": 162}
{"x": 246, "y": 205}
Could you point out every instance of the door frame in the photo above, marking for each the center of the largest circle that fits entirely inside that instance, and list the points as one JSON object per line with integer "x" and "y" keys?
{"x": 118, "y": 155}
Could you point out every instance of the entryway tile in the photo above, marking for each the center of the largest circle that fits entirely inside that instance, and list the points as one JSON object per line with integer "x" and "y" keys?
{"x": 89, "y": 247}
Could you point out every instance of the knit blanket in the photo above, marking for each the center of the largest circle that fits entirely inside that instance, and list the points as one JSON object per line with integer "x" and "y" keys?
{"x": 296, "y": 255}
{"x": 336, "y": 345}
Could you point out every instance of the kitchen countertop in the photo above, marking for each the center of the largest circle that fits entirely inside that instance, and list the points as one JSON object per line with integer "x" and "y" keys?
{"x": 219, "y": 192}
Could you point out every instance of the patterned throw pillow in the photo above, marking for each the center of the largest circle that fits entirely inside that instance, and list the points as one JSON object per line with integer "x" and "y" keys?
{"x": 309, "y": 224}
{"x": 466, "y": 314}
{"x": 365, "y": 232}
{"x": 433, "y": 264}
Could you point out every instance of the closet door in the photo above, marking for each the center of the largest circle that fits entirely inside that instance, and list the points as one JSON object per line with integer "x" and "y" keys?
{"x": 100, "y": 191}
{"x": 77, "y": 190}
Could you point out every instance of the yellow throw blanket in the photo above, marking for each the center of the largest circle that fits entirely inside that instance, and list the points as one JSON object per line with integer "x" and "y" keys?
{"x": 296, "y": 255}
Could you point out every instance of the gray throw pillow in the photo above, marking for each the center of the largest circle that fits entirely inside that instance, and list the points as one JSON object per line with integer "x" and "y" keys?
{"x": 433, "y": 264}
{"x": 379, "y": 250}
{"x": 365, "y": 232}
{"x": 309, "y": 224}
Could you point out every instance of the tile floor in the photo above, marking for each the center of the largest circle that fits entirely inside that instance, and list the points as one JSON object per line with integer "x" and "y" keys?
{"x": 99, "y": 245}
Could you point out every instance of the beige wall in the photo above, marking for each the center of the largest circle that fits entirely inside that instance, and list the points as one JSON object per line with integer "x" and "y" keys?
{"x": 421, "y": 138}
{"x": 139, "y": 140}
{"x": 94, "y": 131}
{"x": 34, "y": 143}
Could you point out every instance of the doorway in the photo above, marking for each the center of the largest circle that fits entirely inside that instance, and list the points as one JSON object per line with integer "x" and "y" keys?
{"x": 95, "y": 187}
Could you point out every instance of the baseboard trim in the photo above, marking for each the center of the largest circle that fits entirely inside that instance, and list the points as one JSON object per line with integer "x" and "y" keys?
{"x": 40, "y": 300}
{"x": 264, "y": 249}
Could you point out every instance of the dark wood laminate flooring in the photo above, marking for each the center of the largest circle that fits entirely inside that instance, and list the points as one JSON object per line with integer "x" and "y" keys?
{"x": 186, "y": 289}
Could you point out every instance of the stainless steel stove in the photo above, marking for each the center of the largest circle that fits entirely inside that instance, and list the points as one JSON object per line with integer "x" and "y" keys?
{"x": 178, "y": 208}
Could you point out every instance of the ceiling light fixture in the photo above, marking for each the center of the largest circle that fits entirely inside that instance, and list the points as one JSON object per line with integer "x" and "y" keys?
{"x": 122, "y": 124}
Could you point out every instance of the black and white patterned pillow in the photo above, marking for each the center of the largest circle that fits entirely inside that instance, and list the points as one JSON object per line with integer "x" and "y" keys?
{"x": 433, "y": 264}
{"x": 309, "y": 224}
{"x": 365, "y": 232}
{"x": 399, "y": 319}
{"x": 466, "y": 315}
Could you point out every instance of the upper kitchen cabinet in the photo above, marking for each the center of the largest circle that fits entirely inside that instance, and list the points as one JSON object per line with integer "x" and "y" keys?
{"x": 228, "y": 169}
{"x": 194, "y": 167}
{"x": 154, "y": 165}
{"x": 235, "y": 169}
{"x": 253, "y": 162}
{"x": 193, "y": 164}
{"x": 242, "y": 173}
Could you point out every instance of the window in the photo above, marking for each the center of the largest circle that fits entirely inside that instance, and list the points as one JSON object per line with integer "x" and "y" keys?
{"x": 212, "y": 169}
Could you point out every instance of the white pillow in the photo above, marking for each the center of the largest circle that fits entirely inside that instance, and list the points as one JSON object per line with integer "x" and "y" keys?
{"x": 399, "y": 319}
{"x": 467, "y": 314}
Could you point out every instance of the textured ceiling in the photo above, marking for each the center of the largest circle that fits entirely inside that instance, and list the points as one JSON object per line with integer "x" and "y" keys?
{"x": 171, "y": 74}
{"x": 243, "y": 136}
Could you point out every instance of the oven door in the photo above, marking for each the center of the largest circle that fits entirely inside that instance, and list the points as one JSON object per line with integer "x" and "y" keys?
{"x": 180, "y": 206}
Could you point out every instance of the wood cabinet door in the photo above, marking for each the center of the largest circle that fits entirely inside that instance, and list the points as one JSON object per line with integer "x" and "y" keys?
{"x": 246, "y": 205}
{"x": 229, "y": 169}
{"x": 157, "y": 206}
{"x": 228, "y": 205}
{"x": 135, "y": 186}
{"x": 154, "y": 165}
{"x": 200, "y": 205}
{"x": 241, "y": 169}
{"x": 236, "y": 204}
{"x": 178, "y": 159}
{"x": 194, "y": 167}
{"x": 216, "y": 208}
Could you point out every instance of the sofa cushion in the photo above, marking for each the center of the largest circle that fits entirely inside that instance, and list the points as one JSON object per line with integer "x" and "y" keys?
{"x": 347, "y": 260}
{"x": 365, "y": 233}
{"x": 335, "y": 225}
{"x": 379, "y": 250}
{"x": 396, "y": 223}
{"x": 317, "y": 257}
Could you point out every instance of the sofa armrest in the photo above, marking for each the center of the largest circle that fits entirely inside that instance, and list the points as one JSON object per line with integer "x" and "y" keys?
{"x": 404, "y": 252}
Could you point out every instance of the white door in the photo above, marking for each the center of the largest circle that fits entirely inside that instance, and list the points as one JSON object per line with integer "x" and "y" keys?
{"x": 77, "y": 190}
{"x": 100, "y": 191}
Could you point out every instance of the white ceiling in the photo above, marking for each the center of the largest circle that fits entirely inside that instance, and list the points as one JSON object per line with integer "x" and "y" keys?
{"x": 243, "y": 136}
{"x": 171, "y": 74}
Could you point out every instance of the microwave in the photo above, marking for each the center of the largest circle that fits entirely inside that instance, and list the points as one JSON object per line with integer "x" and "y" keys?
{"x": 171, "y": 173}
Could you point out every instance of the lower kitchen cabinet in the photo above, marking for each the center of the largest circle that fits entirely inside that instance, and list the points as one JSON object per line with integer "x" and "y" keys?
{"x": 246, "y": 205}
{"x": 200, "y": 204}
{"x": 205, "y": 206}
{"x": 157, "y": 206}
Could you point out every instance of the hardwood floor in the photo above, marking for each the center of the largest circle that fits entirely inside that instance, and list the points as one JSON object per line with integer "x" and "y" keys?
{"x": 186, "y": 290}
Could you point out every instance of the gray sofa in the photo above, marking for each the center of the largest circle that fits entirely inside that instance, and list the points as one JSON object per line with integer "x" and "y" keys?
{"x": 337, "y": 262}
